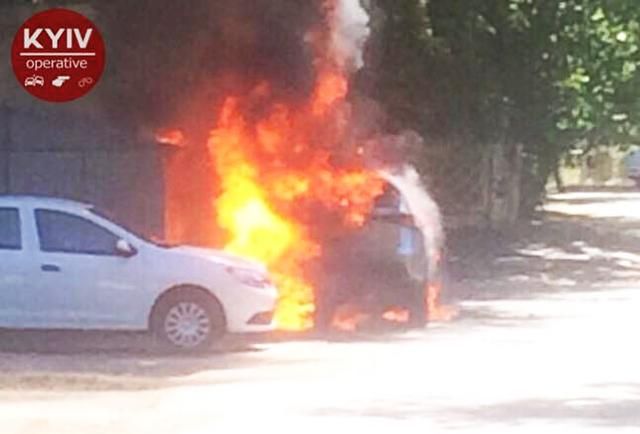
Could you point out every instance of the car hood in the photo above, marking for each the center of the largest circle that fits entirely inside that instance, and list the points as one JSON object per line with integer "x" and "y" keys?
{"x": 219, "y": 257}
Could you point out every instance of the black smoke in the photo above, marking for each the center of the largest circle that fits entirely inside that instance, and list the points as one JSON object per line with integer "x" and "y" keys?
{"x": 172, "y": 62}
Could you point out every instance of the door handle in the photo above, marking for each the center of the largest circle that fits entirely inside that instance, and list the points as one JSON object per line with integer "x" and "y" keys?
{"x": 50, "y": 268}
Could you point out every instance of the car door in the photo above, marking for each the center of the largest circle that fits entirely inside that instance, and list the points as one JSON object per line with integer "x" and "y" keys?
{"x": 15, "y": 269}
{"x": 101, "y": 288}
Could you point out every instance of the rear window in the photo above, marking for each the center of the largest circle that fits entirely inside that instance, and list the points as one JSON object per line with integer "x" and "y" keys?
{"x": 390, "y": 199}
{"x": 10, "y": 238}
{"x": 391, "y": 202}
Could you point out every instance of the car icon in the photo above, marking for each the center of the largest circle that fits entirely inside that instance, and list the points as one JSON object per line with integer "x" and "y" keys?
{"x": 34, "y": 80}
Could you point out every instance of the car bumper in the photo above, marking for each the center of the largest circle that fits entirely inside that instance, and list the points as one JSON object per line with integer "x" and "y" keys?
{"x": 252, "y": 310}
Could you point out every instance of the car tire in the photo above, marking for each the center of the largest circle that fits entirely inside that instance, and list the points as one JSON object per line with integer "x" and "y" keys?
{"x": 187, "y": 319}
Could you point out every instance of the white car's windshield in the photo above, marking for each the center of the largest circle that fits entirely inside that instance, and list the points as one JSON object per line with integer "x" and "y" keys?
{"x": 137, "y": 233}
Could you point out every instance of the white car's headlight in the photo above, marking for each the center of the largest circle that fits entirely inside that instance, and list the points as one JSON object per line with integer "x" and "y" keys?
{"x": 249, "y": 277}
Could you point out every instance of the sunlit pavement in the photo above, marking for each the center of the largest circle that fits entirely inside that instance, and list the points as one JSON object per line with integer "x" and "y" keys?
{"x": 564, "y": 359}
{"x": 597, "y": 204}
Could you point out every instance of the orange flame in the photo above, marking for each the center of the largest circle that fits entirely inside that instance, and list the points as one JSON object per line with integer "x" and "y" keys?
{"x": 171, "y": 137}
{"x": 331, "y": 87}
{"x": 260, "y": 190}
{"x": 397, "y": 314}
{"x": 348, "y": 318}
{"x": 436, "y": 311}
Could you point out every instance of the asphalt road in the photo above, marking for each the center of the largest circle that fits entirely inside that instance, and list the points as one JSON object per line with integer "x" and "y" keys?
{"x": 545, "y": 342}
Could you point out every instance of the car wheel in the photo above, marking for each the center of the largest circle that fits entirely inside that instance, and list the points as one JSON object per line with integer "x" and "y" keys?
{"x": 187, "y": 320}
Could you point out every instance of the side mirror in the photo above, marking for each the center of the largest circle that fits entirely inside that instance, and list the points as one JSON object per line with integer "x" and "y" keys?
{"x": 124, "y": 249}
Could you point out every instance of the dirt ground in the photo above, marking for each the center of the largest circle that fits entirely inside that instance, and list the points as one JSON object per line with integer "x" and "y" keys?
{"x": 545, "y": 342}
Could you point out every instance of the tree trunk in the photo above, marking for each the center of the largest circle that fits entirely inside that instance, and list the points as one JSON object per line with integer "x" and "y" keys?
{"x": 505, "y": 185}
{"x": 557, "y": 176}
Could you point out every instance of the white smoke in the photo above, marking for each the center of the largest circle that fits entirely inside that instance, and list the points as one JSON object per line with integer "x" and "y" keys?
{"x": 350, "y": 31}
{"x": 421, "y": 204}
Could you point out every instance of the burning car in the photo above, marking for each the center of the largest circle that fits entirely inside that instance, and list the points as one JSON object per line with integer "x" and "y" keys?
{"x": 384, "y": 270}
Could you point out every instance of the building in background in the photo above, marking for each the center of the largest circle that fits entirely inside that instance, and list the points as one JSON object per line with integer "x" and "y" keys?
{"x": 599, "y": 167}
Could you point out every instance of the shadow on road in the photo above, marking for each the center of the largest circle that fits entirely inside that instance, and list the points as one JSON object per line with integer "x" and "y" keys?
{"x": 61, "y": 360}
{"x": 619, "y": 411}
{"x": 616, "y": 412}
{"x": 563, "y": 253}
{"x": 104, "y": 361}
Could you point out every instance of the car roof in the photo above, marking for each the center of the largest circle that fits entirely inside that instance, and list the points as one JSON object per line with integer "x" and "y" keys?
{"x": 42, "y": 201}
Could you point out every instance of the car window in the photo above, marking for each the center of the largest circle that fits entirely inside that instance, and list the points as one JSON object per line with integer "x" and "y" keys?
{"x": 390, "y": 199}
{"x": 68, "y": 233}
{"x": 10, "y": 237}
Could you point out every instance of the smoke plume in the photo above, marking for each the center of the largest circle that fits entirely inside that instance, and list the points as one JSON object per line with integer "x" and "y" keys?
{"x": 349, "y": 34}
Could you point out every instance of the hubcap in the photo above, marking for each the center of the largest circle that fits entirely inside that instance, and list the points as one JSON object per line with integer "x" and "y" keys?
{"x": 187, "y": 325}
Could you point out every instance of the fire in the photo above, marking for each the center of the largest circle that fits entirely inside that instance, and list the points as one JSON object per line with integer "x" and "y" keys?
{"x": 272, "y": 158}
{"x": 348, "y": 318}
{"x": 397, "y": 314}
{"x": 436, "y": 311}
{"x": 171, "y": 137}
{"x": 331, "y": 87}
{"x": 266, "y": 169}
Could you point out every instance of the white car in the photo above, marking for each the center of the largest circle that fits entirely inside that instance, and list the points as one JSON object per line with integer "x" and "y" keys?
{"x": 65, "y": 266}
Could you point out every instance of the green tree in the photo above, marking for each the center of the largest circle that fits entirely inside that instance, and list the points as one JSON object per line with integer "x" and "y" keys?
{"x": 549, "y": 74}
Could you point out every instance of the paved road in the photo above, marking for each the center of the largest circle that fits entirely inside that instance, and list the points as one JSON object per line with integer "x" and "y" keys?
{"x": 546, "y": 342}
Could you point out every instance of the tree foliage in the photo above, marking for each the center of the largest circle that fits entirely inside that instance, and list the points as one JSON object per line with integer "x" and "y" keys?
{"x": 549, "y": 74}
